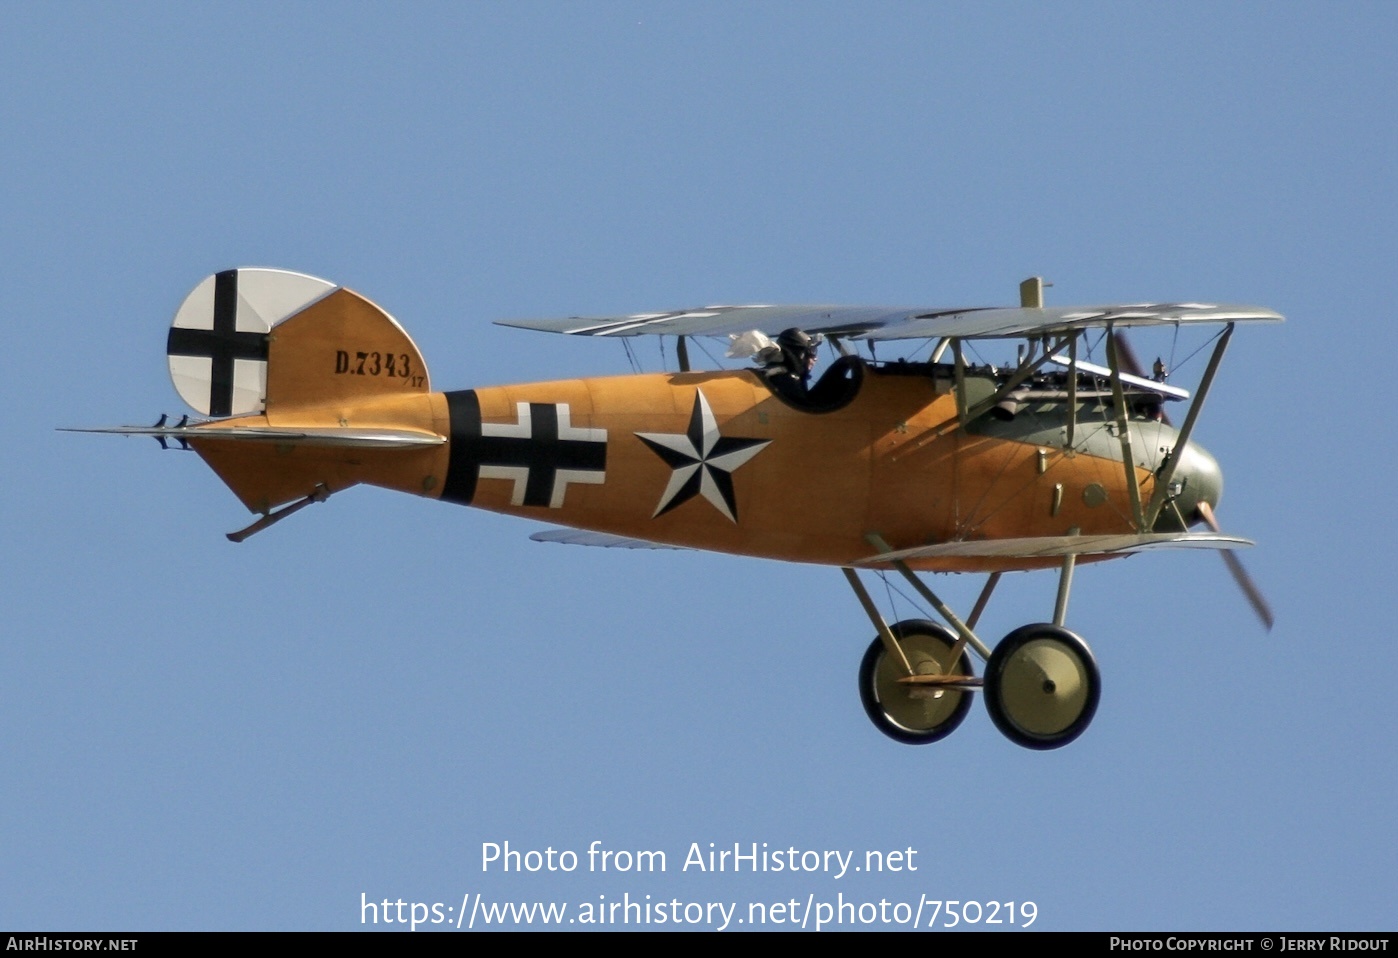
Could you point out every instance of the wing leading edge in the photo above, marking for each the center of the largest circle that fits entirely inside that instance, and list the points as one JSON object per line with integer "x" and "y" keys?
{"x": 883, "y": 322}
{"x": 1042, "y": 547}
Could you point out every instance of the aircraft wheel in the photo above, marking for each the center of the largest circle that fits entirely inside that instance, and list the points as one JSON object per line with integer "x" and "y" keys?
{"x": 1042, "y": 686}
{"x": 909, "y": 714}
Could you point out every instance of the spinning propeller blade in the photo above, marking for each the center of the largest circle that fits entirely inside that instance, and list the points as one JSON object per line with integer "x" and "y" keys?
{"x": 1240, "y": 575}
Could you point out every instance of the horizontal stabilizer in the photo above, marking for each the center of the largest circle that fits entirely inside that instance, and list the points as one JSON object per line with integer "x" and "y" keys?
{"x": 326, "y": 436}
{"x": 581, "y": 537}
{"x": 1048, "y": 547}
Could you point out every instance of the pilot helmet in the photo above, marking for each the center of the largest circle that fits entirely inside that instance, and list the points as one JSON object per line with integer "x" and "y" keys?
{"x": 798, "y": 346}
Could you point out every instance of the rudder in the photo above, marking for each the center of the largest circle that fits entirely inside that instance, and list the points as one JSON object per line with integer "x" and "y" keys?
{"x": 314, "y": 389}
{"x": 271, "y": 341}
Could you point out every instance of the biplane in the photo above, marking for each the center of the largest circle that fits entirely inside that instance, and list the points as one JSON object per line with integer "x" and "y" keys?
{"x": 944, "y": 464}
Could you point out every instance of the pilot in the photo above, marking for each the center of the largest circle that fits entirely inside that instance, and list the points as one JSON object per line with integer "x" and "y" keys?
{"x": 790, "y": 371}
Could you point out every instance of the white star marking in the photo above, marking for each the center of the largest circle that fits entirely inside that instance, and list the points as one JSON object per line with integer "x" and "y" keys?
{"x": 703, "y": 461}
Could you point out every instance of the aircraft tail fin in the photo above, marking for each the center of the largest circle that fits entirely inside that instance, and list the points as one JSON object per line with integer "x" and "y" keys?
{"x": 271, "y": 341}
{"x": 312, "y": 387}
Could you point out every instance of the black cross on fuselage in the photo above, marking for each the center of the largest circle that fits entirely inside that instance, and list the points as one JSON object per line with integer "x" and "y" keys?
{"x": 543, "y": 453}
{"x": 221, "y": 345}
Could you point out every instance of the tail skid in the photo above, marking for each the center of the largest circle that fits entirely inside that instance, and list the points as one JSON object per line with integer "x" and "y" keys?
{"x": 272, "y": 518}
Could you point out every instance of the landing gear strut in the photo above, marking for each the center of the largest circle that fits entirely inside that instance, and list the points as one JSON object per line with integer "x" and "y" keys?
{"x": 1041, "y": 681}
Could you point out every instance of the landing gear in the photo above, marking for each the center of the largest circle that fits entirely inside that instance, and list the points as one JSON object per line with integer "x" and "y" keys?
{"x": 1042, "y": 686}
{"x": 1041, "y": 682}
{"x": 902, "y": 707}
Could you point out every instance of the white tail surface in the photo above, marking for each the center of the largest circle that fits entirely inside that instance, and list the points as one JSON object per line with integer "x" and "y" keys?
{"x": 218, "y": 343}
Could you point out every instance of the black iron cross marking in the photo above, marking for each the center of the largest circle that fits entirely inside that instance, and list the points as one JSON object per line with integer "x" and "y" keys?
{"x": 221, "y": 345}
{"x": 541, "y": 452}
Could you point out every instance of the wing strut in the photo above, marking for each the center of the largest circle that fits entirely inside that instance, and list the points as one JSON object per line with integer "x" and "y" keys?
{"x": 1072, "y": 393}
{"x": 959, "y": 376}
{"x": 1123, "y": 429}
{"x": 1162, "y": 481}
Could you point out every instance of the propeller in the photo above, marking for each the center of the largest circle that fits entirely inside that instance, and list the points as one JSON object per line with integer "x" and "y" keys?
{"x": 1235, "y": 565}
{"x": 1240, "y": 575}
{"x": 1130, "y": 364}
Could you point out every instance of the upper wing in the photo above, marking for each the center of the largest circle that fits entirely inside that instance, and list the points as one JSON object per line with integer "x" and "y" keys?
{"x": 719, "y": 320}
{"x": 884, "y": 322}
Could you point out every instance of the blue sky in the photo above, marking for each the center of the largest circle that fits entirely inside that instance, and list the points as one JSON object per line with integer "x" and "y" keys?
{"x": 208, "y": 736}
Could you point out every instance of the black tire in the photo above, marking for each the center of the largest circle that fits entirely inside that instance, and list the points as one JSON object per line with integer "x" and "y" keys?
{"x": 908, "y": 714}
{"x": 1042, "y": 686}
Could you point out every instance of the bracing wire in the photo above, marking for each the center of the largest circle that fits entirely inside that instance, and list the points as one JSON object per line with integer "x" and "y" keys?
{"x": 626, "y": 344}
{"x": 700, "y": 343}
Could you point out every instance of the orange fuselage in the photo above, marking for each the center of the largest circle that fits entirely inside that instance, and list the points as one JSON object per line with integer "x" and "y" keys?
{"x": 706, "y": 460}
